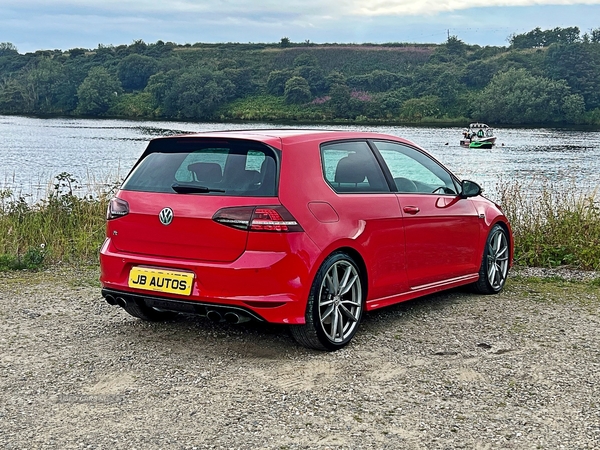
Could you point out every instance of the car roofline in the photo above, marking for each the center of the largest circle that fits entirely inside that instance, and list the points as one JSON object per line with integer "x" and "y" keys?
{"x": 286, "y": 135}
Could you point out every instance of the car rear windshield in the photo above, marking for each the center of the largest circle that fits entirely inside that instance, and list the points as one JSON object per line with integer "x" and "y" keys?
{"x": 198, "y": 166}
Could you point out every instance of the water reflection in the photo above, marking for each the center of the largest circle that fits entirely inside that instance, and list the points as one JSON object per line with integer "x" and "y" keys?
{"x": 98, "y": 152}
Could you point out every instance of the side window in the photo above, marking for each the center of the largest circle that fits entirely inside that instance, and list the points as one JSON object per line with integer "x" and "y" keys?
{"x": 414, "y": 171}
{"x": 352, "y": 167}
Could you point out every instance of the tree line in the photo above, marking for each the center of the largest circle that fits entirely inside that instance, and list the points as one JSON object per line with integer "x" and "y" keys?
{"x": 541, "y": 77}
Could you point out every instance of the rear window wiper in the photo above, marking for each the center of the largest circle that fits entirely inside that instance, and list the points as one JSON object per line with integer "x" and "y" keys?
{"x": 193, "y": 189}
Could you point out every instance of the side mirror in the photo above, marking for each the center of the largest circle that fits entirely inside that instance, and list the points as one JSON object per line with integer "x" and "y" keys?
{"x": 470, "y": 189}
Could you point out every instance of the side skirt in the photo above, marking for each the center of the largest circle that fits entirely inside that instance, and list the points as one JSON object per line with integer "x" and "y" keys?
{"x": 420, "y": 291}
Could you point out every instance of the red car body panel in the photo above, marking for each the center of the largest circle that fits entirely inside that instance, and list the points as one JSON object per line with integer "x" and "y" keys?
{"x": 408, "y": 245}
{"x": 439, "y": 238}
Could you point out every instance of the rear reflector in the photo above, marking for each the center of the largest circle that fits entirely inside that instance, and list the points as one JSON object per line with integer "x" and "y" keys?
{"x": 258, "y": 218}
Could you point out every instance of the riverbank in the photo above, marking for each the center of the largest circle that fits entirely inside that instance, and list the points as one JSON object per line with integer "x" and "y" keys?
{"x": 552, "y": 228}
{"x": 454, "y": 370}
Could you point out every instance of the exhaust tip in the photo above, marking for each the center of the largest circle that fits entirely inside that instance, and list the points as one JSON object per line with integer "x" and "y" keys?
{"x": 214, "y": 316}
{"x": 121, "y": 302}
{"x": 110, "y": 300}
{"x": 235, "y": 318}
{"x": 231, "y": 317}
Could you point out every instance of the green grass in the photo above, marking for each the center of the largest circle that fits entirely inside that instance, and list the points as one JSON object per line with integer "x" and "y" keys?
{"x": 63, "y": 227}
{"x": 548, "y": 291}
{"x": 272, "y": 109}
{"x": 553, "y": 227}
{"x": 269, "y": 108}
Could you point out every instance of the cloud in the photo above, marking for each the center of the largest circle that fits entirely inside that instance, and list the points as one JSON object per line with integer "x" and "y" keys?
{"x": 35, "y": 24}
{"x": 430, "y": 7}
{"x": 303, "y": 8}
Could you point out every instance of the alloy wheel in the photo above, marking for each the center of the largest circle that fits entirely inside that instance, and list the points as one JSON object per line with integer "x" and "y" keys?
{"x": 340, "y": 297}
{"x": 497, "y": 263}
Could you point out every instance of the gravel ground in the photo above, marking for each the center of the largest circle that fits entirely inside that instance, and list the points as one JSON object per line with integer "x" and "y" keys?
{"x": 520, "y": 370}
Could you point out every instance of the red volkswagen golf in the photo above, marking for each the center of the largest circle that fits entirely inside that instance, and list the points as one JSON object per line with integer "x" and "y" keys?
{"x": 308, "y": 228}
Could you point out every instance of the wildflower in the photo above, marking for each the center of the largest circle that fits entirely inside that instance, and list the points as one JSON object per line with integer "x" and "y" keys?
{"x": 361, "y": 95}
{"x": 321, "y": 100}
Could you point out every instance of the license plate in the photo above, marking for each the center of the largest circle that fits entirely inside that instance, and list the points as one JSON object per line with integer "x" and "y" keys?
{"x": 161, "y": 280}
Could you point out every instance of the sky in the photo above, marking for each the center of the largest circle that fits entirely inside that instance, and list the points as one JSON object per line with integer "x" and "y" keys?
{"x": 33, "y": 25}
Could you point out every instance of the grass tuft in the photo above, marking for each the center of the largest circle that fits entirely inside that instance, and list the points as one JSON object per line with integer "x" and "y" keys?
{"x": 553, "y": 227}
{"x": 64, "y": 227}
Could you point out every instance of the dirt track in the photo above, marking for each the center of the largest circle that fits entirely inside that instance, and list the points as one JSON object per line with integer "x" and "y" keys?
{"x": 456, "y": 370}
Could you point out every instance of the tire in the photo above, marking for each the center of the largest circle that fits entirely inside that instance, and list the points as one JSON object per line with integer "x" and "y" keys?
{"x": 335, "y": 305}
{"x": 494, "y": 264}
{"x": 144, "y": 312}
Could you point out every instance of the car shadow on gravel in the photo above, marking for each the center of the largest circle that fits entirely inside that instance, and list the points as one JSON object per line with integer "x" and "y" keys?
{"x": 271, "y": 341}
{"x": 418, "y": 307}
{"x": 257, "y": 339}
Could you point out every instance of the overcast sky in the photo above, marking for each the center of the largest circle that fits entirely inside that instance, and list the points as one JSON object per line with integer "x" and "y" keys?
{"x": 64, "y": 24}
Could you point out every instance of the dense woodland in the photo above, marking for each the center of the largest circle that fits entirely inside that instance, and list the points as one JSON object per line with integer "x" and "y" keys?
{"x": 541, "y": 77}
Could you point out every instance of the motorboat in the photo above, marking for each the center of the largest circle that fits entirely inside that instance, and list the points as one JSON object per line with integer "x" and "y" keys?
{"x": 478, "y": 135}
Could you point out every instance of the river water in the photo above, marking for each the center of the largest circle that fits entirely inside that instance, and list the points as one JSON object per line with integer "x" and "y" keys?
{"x": 98, "y": 153}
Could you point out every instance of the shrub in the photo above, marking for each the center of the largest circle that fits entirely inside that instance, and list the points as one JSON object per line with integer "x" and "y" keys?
{"x": 553, "y": 227}
{"x": 65, "y": 226}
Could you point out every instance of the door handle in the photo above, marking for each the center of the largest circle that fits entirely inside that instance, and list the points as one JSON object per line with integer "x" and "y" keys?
{"x": 411, "y": 209}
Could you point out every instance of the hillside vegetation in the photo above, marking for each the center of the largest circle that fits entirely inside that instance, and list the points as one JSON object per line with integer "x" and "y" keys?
{"x": 542, "y": 77}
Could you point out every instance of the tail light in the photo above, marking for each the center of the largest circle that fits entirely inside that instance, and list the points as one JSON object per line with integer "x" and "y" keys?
{"x": 117, "y": 208}
{"x": 258, "y": 218}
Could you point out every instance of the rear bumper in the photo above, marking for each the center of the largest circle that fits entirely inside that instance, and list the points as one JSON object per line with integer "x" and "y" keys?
{"x": 115, "y": 297}
{"x": 266, "y": 285}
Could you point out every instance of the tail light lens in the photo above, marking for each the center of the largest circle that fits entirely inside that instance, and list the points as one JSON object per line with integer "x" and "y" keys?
{"x": 258, "y": 218}
{"x": 273, "y": 219}
{"x": 117, "y": 208}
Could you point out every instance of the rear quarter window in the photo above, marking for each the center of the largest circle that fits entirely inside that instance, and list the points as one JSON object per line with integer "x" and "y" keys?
{"x": 232, "y": 168}
{"x": 352, "y": 167}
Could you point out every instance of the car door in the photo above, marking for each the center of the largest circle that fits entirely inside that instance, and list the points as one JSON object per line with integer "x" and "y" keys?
{"x": 441, "y": 229}
{"x": 369, "y": 214}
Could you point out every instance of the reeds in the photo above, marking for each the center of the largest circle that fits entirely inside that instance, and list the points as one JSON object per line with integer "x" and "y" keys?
{"x": 67, "y": 226}
{"x": 553, "y": 226}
